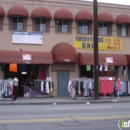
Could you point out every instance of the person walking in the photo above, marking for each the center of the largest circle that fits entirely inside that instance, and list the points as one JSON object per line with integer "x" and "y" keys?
{"x": 15, "y": 88}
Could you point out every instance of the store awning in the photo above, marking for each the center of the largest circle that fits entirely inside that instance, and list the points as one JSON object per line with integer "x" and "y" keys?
{"x": 63, "y": 14}
{"x": 64, "y": 52}
{"x": 2, "y": 12}
{"x": 123, "y": 19}
{"x": 18, "y": 10}
{"x": 105, "y": 17}
{"x": 25, "y": 57}
{"x": 41, "y": 12}
{"x": 110, "y": 59}
{"x": 84, "y": 15}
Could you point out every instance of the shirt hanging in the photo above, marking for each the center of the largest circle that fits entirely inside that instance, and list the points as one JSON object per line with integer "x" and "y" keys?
{"x": 13, "y": 68}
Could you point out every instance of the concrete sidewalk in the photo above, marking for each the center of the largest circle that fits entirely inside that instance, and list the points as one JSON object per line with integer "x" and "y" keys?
{"x": 65, "y": 100}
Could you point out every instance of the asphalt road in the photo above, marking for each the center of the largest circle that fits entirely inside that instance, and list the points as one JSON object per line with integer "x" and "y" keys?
{"x": 63, "y": 117}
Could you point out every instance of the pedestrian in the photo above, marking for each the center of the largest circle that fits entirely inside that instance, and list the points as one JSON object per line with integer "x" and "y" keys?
{"x": 118, "y": 87}
{"x": 15, "y": 88}
{"x": 90, "y": 87}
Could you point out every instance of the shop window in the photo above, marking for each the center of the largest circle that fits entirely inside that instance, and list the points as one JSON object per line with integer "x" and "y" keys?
{"x": 122, "y": 30}
{"x": 85, "y": 72}
{"x": 1, "y": 23}
{"x": 110, "y": 72}
{"x": 18, "y": 23}
{"x": 63, "y": 26}
{"x": 41, "y": 24}
{"x": 105, "y": 29}
{"x": 83, "y": 27}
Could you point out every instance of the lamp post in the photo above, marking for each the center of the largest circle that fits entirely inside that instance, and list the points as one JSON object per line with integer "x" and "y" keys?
{"x": 95, "y": 39}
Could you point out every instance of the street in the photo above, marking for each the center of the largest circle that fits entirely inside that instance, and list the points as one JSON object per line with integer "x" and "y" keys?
{"x": 63, "y": 117}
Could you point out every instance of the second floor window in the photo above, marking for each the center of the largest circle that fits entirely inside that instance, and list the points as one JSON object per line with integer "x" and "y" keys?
{"x": 41, "y": 24}
{"x": 122, "y": 30}
{"x": 63, "y": 26}
{"x": 103, "y": 29}
{"x": 83, "y": 27}
{"x": 17, "y": 23}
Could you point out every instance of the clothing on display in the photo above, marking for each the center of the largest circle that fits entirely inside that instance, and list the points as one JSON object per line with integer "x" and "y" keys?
{"x": 80, "y": 87}
{"x": 84, "y": 87}
{"x": 38, "y": 88}
{"x": 13, "y": 68}
{"x": 22, "y": 67}
{"x": 6, "y": 88}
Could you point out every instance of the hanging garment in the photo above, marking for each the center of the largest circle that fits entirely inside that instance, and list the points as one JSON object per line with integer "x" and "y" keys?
{"x": 124, "y": 87}
{"x": 128, "y": 87}
{"x": 88, "y": 67}
{"x": 79, "y": 88}
{"x": 69, "y": 86}
{"x": 2, "y": 87}
{"x": 124, "y": 71}
{"x": 50, "y": 86}
{"x": 13, "y": 68}
{"x": 3, "y": 67}
{"x": 42, "y": 74}
{"x": 29, "y": 92}
{"x": 10, "y": 87}
{"x": 85, "y": 88}
{"x": 6, "y": 89}
{"x": 0, "y": 90}
{"x": 42, "y": 86}
{"x": 121, "y": 89}
{"x": 73, "y": 92}
{"x": 22, "y": 67}
{"x": 89, "y": 83}
{"x": 101, "y": 68}
{"x": 47, "y": 87}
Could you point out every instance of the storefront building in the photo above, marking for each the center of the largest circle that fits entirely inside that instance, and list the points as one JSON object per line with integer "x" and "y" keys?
{"x": 55, "y": 37}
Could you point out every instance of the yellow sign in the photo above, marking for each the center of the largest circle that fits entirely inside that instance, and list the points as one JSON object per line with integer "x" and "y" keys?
{"x": 104, "y": 43}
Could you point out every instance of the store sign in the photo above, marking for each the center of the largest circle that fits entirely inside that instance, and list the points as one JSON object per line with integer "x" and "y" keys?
{"x": 27, "y": 57}
{"x": 109, "y": 59}
{"x": 27, "y": 37}
{"x": 104, "y": 43}
{"x": 66, "y": 60}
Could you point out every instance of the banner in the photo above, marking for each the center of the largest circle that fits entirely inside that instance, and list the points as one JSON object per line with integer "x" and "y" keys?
{"x": 104, "y": 43}
{"x": 27, "y": 37}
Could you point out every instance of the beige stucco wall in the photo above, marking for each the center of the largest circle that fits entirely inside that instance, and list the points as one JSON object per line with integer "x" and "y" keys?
{"x": 52, "y": 38}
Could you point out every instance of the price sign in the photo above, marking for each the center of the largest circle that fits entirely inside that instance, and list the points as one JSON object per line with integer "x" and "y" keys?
{"x": 104, "y": 43}
{"x": 113, "y": 43}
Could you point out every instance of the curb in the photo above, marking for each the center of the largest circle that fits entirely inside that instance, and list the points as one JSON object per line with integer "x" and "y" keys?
{"x": 64, "y": 102}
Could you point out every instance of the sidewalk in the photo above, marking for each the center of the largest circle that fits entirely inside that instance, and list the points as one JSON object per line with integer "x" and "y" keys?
{"x": 63, "y": 100}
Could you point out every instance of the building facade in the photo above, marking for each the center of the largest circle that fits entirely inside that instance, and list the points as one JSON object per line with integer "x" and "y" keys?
{"x": 59, "y": 35}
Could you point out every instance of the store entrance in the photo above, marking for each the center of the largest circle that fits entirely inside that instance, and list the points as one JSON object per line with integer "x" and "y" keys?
{"x": 26, "y": 74}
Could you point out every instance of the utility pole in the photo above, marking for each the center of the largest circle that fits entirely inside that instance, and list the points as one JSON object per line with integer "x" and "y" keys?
{"x": 95, "y": 36}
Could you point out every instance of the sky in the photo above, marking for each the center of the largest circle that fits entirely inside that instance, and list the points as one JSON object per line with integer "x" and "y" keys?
{"x": 124, "y": 2}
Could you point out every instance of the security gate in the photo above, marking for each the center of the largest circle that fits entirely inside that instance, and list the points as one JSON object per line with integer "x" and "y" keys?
{"x": 62, "y": 83}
